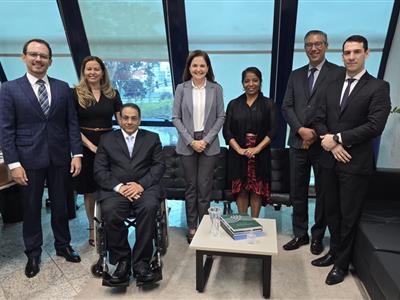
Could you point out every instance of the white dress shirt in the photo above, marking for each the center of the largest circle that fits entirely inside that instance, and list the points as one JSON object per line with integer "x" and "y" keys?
{"x": 199, "y": 106}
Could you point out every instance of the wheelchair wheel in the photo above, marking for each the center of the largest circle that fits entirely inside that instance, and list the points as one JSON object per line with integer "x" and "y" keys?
{"x": 98, "y": 270}
{"x": 164, "y": 240}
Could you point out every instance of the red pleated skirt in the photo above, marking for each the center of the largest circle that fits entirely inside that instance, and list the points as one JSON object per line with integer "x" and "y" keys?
{"x": 253, "y": 184}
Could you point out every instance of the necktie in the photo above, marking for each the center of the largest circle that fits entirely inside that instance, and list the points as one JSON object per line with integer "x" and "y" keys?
{"x": 43, "y": 97}
{"x": 346, "y": 93}
{"x": 129, "y": 140}
{"x": 311, "y": 79}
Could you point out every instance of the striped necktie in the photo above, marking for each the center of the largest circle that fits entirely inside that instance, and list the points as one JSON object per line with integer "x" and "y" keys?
{"x": 43, "y": 97}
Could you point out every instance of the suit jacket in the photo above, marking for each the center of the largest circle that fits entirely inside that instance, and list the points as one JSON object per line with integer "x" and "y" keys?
{"x": 299, "y": 107}
{"x": 113, "y": 165}
{"x": 182, "y": 117}
{"x": 28, "y": 136}
{"x": 362, "y": 119}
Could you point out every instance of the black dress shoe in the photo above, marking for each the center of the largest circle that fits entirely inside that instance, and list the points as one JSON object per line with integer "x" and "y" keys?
{"x": 121, "y": 275}
{"x": 316, "y": 247}
{"x": 69, "y": 254}
{"x": 335, "y": 276}
{"x": 32, "y": 266}
{"x": 144, "y": 274}
{"x": 324, "y": 261}
{"x": 296, "y": 242}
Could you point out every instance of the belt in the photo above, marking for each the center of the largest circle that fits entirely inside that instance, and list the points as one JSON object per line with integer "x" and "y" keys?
{"x": 250, "y": 134}
{"x": 96, "y": 129}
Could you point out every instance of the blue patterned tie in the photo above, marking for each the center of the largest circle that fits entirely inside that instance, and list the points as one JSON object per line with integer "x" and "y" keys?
{"x": 43, "y": 97}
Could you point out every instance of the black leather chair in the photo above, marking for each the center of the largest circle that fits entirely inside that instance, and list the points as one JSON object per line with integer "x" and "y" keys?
{"x": 174, "y": 182}
{"x": 280, "y": 179}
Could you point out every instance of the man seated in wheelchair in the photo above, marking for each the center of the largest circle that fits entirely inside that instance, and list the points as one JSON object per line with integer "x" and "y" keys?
{"x": 128, "y": 168}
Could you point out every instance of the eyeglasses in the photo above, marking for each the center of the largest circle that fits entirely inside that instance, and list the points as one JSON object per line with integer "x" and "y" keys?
{"x": 133, "y": 119}
{"x": 36, "y": 54}
{"x": 316, "y": 44}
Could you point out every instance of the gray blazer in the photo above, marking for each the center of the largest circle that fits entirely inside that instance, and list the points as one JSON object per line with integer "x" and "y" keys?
{"x": 182, "y": 117}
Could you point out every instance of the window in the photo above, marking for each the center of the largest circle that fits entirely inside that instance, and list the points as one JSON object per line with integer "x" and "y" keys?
{"x": 19, "y": 22}
{"x": 130, "y": 37}
{"x": 339, "y": 20}
{"x": 236, "y": 35}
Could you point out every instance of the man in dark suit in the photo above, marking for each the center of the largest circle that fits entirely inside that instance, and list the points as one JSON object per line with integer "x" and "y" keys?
{"x": 40, "y": 131}
{"x": 128, "y": 168}
{"x": 354, "y": 111}
{"x": 301, "y": 100}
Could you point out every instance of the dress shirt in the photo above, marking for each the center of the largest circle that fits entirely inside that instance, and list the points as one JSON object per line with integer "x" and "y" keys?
{"x": 199, "y": 106}
{"x": 316, "y": 73}
{"x": 127, "y": 137}
{"x": 353, "y": 84}
{"x": 33, "y": 81}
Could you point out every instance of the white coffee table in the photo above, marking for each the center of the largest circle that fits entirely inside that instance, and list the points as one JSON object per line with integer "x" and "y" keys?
{"x": 224, "y": 245}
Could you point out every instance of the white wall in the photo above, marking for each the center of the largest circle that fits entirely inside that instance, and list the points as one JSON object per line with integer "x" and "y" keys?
{"x": 389, "y": 153}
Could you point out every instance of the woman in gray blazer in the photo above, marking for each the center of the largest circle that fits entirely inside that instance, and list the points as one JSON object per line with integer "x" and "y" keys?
{"x": 198, "y": 115}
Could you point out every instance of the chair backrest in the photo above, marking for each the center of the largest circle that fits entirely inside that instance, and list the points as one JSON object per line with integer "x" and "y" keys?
{"x": 280, "y": 170}
{"x": 174, "y": 182}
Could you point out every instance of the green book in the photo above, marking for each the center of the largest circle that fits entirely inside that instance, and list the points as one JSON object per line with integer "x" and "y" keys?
{"x": 241, "y": 235}
{"x": 240, "y": 222}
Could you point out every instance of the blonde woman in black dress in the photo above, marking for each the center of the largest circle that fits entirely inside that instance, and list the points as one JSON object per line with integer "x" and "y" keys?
{"x": 96, "y": 102}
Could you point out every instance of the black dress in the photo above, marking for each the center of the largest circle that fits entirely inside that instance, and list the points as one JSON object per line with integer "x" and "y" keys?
{"x": 98, "y": 115}
{"x": 260, "y": 121}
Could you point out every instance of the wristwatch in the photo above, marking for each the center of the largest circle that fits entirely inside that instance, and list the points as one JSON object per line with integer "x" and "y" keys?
{"x": 336, "y": 138}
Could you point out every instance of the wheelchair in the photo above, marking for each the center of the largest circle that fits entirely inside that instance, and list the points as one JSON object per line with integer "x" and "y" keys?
{"x": 100, "y": 268}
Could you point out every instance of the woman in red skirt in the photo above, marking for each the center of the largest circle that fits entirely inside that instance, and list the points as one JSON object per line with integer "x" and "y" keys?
{"x": 249, "y": 128}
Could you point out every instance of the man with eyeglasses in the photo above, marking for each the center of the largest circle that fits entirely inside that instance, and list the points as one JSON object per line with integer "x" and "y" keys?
{"x": 300, "y": 103}
{"x": 128, "y": 168}
{"x": 39, "y": 133}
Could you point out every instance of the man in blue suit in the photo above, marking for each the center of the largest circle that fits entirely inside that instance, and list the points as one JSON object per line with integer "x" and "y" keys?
{"x": 40, "y": 132}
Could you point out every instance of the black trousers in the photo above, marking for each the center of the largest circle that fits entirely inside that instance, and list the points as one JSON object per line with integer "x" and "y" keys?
{"x": 58, "y": 183}
{"x": 301, "y": 161}
{"x": 344, "y": 197}
{"x": 115, "y": 210}
{"x": 198, "y": 169}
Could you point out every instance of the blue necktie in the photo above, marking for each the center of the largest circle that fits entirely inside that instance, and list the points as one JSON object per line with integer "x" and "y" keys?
{"x": 311, "y": 79}
{"x": 43, "y": 97}
{"x": 346, "y": 93}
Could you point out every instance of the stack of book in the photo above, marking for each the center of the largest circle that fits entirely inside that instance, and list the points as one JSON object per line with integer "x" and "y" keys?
{"x": 239, "y": 225}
